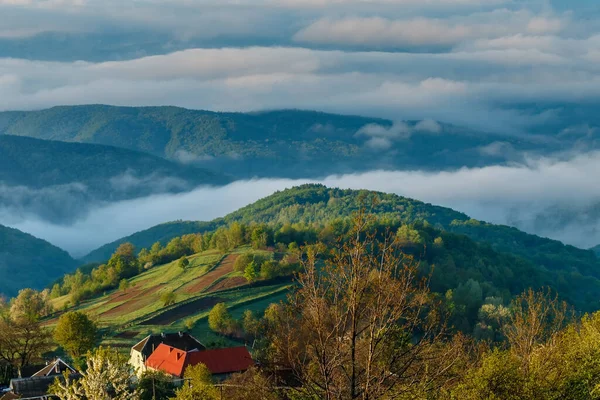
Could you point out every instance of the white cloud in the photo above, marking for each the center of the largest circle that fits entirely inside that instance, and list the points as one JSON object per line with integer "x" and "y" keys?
{"x": 429, "y": 125}
{"x": 519, "y": 194}
{"x": 377, "y": 31}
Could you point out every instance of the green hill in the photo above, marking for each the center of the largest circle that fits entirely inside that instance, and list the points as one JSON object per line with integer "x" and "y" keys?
{"x": 57, "y": 180}
{"x": 26, "y": 261}
{"x": 596, "y": 250}
{"x": 463, "y": 272}
{"x": 319, "y": 204}
{"x": 306, "y": 204}
{"x": 285, "y": 143}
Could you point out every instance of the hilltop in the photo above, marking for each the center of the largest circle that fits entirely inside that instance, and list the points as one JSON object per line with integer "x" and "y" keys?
{"x": 198, "y": 271}
{"x": 45, "y": 175}
{"x": 283, "y": 143}
{"x": 302, "y": 204}
{"x": 26, "y": 261}
{"x": 318, "y": 205}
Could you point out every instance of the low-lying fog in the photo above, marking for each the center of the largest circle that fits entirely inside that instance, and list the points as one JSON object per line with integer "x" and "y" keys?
{"x": 557, "y": 198}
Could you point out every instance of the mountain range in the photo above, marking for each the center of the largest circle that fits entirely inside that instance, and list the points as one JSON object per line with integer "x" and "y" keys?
{"x": 283, "y": 143}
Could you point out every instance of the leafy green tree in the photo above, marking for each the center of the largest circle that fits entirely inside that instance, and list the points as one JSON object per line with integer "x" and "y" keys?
{"x": 76, "y": 333}
{"x": 124, "y": 285}
{"x": 250, "y": 324}
{"x": 250, "y": 272}
{"x": 23, "y": 341}
{"x": 56, "y": 291}
{"x": 124, "y": 261}
{"x": 168, "y": 298}
{"x": 199, "y": 385}
{"x": 269, "y": 269}
{"x": 156, "y": 385}
{"x": 259, "y": 237}
{"x": 242, "y": 261}
{"x": 183, "y": 263}
{"x": 219, "y": 319}
{"x": 30, "y": 305}
{"x": 499, "y": 377}
{"x": 235, "y": 235}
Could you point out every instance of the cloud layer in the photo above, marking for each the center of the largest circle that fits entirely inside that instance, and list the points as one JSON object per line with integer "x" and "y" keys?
{"x": 555, "y": 198}
{"x": 469, "y": 62}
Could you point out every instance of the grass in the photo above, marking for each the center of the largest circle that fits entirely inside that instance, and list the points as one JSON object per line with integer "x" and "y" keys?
{"x": 121, "y": 314}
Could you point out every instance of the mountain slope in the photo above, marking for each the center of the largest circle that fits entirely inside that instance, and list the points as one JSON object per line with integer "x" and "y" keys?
{"x": 278, "y": 143}
{"x": 307, "y": 203}
{"x": 45, "y": 176}
{"x": 26, "y": 261}
{"x": 596, "y": 250}
{"x": 319, "y": 204}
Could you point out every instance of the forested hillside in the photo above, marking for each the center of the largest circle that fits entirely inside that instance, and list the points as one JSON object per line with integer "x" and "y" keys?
{"x": 596, "y": 250}
{"x": 40, "y": 163}
{"x": 56, "y": 180}
{"x": 26, "y": 261}
{"x": 317, "y": 205}
{"x": 303, "y": 204}
{"x": 277, "y": 143}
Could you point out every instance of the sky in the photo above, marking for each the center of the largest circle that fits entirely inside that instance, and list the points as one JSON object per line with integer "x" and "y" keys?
{"x": 510, "y": 67}
{"x": 468, "y": 62}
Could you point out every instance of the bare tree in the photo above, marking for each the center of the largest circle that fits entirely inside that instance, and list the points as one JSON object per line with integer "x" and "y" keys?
{"x": 364, "y": 325}
{"x": 535, "y": 318}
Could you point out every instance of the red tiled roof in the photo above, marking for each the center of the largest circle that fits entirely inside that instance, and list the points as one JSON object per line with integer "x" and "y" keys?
{"x": 167, "y": 359}
{"x": 219, "y": 361}
{"x": 223, "y": 361}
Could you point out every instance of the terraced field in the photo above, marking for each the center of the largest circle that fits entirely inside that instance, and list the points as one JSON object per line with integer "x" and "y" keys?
{"x": 127, "y": 316}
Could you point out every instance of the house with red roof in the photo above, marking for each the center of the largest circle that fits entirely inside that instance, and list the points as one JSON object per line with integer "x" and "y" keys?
{"x": 220, "y": 362}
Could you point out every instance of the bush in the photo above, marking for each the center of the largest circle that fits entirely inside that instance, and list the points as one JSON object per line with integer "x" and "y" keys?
{"x": 242, "y": 261}
{"x": 168, "y": 298}
{"x": 219, "y": 319}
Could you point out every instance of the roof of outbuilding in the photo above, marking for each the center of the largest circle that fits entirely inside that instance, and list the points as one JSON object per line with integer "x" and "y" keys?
{"x": 55, "y": 368}
{"x": 223, "y": 361}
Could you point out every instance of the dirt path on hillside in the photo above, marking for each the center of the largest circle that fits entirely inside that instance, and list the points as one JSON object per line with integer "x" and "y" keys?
{"x": 228, "y": 283}
{"x": 184, "y": 310}
{"x": 199, "y": 284}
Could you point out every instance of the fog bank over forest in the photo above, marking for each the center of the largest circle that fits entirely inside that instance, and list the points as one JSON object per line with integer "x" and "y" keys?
{"x": 549, "y": 197}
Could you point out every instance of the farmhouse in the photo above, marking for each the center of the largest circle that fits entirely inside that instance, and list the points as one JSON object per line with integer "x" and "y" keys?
{"x": 143, "y": 349}
{"x": 220, "y": 362}
{"x": 36, "y": 386}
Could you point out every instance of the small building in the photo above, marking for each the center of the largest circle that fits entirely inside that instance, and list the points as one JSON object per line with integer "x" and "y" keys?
{"x": 36, "y": 386}
{"x": 220, "y": 362}
{"x": 144, "y": 348}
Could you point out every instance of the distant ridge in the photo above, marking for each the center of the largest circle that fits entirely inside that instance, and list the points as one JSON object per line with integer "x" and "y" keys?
{"x": 278, "y": 143}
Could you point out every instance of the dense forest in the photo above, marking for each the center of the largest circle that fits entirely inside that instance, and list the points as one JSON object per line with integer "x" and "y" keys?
{"x": 40, "y": 163}
{"x": 272, "y": 144}
{"x": 26, "y": 261}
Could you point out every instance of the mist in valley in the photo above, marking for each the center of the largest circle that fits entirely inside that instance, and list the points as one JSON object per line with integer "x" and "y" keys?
{"x": 551, "y": 197}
